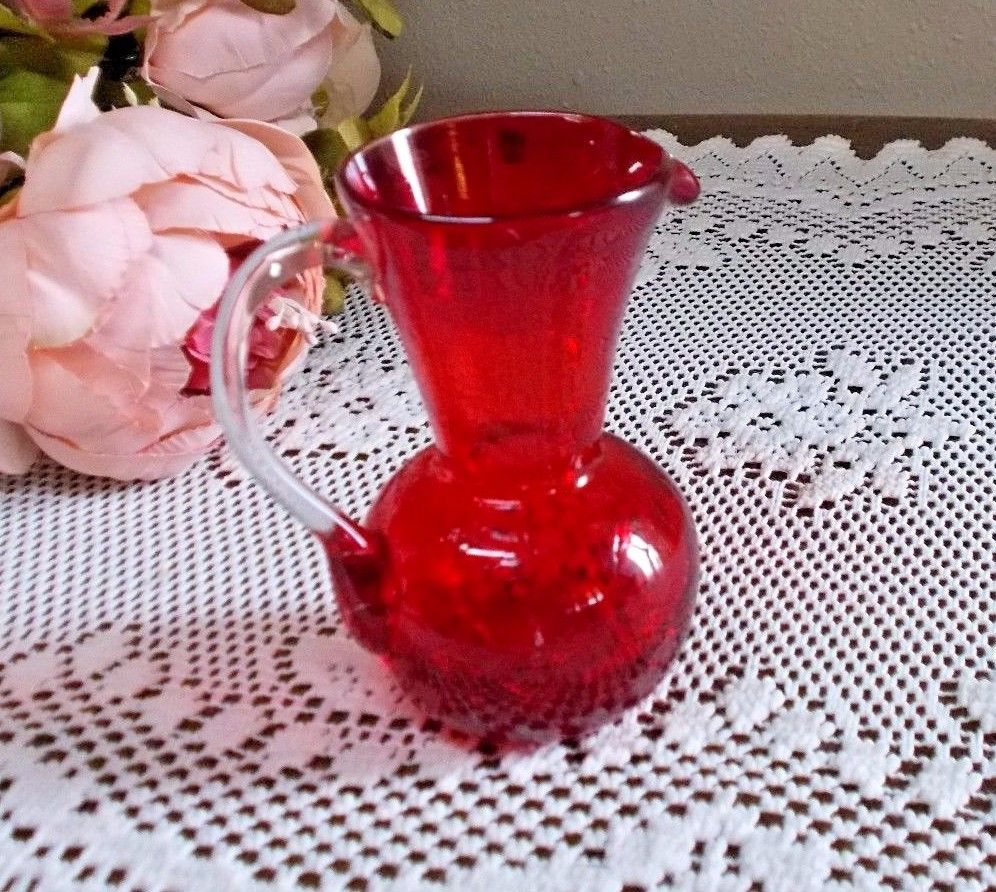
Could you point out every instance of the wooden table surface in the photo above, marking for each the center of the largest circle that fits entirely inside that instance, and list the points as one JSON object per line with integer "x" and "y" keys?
{"x": 867, "y": 134}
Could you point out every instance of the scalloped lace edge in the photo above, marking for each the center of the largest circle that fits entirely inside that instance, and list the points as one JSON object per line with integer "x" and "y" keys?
{"x": 833, "y": 145}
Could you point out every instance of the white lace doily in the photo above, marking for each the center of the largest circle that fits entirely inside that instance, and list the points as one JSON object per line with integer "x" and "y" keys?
{"x": 810, "y": 353}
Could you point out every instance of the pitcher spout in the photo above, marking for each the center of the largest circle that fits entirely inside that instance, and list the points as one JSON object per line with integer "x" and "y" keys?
{"x": 682, "y": 186}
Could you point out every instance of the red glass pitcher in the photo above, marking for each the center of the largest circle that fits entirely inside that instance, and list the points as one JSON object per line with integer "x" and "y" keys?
{"x": 527, "y": 576}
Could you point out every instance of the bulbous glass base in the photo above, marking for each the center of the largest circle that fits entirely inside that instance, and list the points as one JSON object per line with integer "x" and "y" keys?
{"x": 526, "y": 609}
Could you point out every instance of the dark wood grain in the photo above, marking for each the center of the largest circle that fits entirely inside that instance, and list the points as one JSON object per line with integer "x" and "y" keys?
{"x": 867, "y": 134}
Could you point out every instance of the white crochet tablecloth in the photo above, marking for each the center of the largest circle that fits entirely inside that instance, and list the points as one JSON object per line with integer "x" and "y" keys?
{"x": 811, "y": 353}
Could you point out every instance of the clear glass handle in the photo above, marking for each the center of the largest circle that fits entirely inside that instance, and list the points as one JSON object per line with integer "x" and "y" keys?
{"x": 330, "y": 245}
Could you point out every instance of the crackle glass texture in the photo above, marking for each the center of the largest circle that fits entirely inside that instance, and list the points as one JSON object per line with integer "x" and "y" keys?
{"x": 808, "y": 352}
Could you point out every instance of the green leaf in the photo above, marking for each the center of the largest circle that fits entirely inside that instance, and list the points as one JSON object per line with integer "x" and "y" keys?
{"x": 334, "y": 295}
{"x": 69, "y": 57}
{"x": 384, "y": 16}
{"x": 29, "y": 105}
{"x": 320, "y": 100}
{"x": 329, "y": 150}
{"x": 355, "y": 132}
{"x": 141, "y": 90}
{"x": 112, "y": 93}
{"x": 82, "y": 6}
{"x": 14, "y": 24}
{"x": 34, "y": 79}
{"x": 79, "y": 55}
{"x": 274, "y": 7}
{"x": 408, "y": 112}
{"x": 394, "y": 113}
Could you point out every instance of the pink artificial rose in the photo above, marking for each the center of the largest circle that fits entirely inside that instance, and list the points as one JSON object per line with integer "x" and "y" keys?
{"x": 115, "y": 252}
{"x": 41, "y": 11}
{"x": 269, "y": 341}
{"x": 354, "y": 75}
{"x": 221, "y": 58}
{"x": 59, "y": 16}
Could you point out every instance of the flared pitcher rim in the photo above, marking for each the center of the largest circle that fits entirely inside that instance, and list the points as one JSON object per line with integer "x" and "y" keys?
{"x": 655, "y": 178}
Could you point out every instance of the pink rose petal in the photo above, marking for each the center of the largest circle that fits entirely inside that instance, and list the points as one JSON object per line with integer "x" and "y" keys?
{"x": 128, "y": 148}
{"x": 82, "y": 398}
{"x": 148, "y": 465}
{"x": 78, "y": 106}
{"x": 15, "y": 391}
{"x": 165, "y": 290}
{"x": 68, "y": 281}
{"x": 17, "y": 451}
{"x": 236, "y": 62}
{"x": 299, "y": 163}
{"x": 354, "y": 74}
{"x": 15, "y": 328}
{"x": 194, "y": 206}
{"x": 115, "y": 247}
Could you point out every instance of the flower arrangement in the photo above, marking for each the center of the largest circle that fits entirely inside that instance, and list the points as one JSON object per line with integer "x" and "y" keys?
{"x": 145, "y": 149}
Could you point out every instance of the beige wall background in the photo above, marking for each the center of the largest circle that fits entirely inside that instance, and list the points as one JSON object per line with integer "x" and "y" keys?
{"x": 876, "y": 57}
